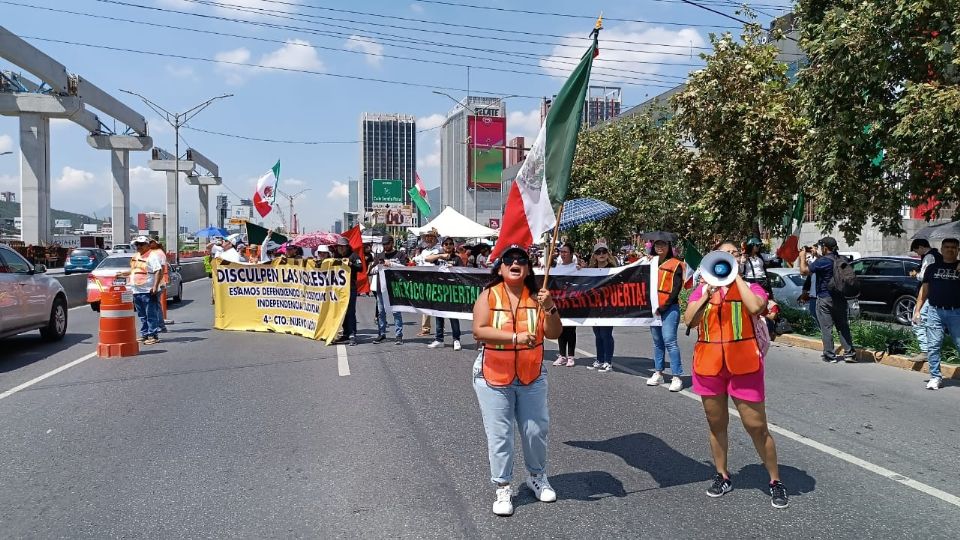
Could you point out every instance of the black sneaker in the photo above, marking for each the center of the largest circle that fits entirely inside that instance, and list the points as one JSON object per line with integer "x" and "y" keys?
{"x": 380, "y": 339}
{"x": 399, "y": 340}
{"x": 353, "y": 341}
{"x": 778, "y": 495}
{"x": 720, "y": 486}
{"x": 851, "y": 358}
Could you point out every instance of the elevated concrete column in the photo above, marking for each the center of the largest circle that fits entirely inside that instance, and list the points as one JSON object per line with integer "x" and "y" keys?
{"x": 120, "y": 166}
{"x": 172, "y": 235}
{"x": 204, "y": 220}
{"x": 35, "y": 178}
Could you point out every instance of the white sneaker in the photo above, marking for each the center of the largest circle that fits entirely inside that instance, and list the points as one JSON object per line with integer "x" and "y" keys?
{"x": 435, "y": 345}
{"x": 456, "y": 345}
{"x": 605, "y": 367}
{"x": 935, "y": 383}
{"x": 541, "y": 487}
{"x": 656, "y": 379}
{"x": 560, "y": 361}
{"x": 676, "y": 384}
{"x": 595, "y": 365}
{"x": 503, "y": 506}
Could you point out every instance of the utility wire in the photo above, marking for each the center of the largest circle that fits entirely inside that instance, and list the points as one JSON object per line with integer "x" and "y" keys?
{"x": 624, "y": 78}
{"x": 727, "y": 15}
{"x": 280, "y": 141}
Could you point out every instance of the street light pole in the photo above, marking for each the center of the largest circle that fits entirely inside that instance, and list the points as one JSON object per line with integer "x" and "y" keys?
{"x": 291, "y": 198}
{"x": 176, "y": 121}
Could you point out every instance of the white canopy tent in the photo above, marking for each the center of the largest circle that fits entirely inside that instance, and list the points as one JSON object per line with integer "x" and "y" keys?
{"x": 453, "y": 223}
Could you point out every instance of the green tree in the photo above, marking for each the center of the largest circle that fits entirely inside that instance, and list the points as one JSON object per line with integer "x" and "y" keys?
{"x": 881, "y": 94}
{"x": 637, "y": 166}
{"x": 741, "y": 115}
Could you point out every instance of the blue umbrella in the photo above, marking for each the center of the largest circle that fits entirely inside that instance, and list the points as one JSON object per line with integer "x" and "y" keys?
{"x": 211, "y": 231}
{"x": 580, "y": 211}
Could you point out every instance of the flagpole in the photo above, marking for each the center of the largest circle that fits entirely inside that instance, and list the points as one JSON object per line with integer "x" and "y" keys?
{"x": 553, "y": 244}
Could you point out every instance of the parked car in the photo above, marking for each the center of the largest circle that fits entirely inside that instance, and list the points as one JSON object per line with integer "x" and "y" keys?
{"x": 83, "y": 260}
{"x": 888, "y": 285}
{"x": 122, "y": 248}
{"x": 787, "y": 285}
{"x": 102, "y": 278}
{"x": 30, "y": 300}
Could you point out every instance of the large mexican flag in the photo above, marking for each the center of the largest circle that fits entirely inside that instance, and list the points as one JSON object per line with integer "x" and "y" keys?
{"x": 541, "y": 184}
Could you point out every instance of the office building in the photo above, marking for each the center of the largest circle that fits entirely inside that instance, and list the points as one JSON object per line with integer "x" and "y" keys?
{"x": 516, "y": 151}
{"x": 353, "y": 196}
{"x": 388, "y": 163}
{"x": 602, "y": 104}
{"x": 8, "y": 196}
{"x": 472, "y": 144}
{"x": 223, "y": 210}
{"x": 154, "y": 222}
{"x": 338, "y": 226}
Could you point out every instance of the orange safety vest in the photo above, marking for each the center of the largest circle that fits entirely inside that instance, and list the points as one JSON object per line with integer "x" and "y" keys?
{"x": 727, "y": 337}
{"x": 139, "y": 274}
{"x": 504, "y": 363}
{"x": 665, "y": 279}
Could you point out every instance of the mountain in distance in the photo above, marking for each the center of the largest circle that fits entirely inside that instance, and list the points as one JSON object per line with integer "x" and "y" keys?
{"x": 10, "y": 210}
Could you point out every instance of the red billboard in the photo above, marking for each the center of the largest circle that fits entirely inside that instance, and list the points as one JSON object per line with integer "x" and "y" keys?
{"x": 488, "y": 136}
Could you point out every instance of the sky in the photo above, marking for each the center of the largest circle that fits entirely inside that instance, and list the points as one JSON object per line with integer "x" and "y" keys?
{"x": 306, "y": 71}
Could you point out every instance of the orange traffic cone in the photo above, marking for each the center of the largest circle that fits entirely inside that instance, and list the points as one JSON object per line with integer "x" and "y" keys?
{"x": 118, "y": 326}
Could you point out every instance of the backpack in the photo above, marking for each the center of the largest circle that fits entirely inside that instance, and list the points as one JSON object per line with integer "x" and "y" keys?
{"x": 844, "y": 280}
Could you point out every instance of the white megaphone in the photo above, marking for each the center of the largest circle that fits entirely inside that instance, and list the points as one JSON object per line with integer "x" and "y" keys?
{"x": 719, "y": 268}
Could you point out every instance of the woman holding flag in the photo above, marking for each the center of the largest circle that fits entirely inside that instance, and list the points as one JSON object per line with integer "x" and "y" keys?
{"x": 511, "y": 318}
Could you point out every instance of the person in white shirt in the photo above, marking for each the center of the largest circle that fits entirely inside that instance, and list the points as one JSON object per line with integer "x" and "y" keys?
{"x": 429, "y": 248}
{"x": 146, "y": 270}
{"x": 230, "y": 252}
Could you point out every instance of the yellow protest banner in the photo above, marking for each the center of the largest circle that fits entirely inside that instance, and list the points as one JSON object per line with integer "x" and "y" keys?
{"x": 297, "y": 297}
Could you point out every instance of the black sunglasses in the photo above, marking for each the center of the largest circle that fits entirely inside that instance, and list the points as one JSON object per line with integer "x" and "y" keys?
{"x": 508, "y": 260}
{"x": 601, "y": 251}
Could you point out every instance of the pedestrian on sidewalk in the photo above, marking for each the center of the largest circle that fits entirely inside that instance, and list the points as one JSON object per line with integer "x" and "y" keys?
{"x": 831, "y": 304}
{"x": 445, "y": 259}
{"x": 941, "y": 289}
{"x": 567, "y": 264}
{"x": 602, "y": 258}
{"x": 428, "y": 247}
{"x": 728, "y": 361}
{"x": 352, "y": 260}
{"x": 669, "y": 284}
{"x": 928, "y": 256}
{"x": 146, "y": 276}
{"x": 385, "y": 259}
{"x": 751, "y": 262}
{"x": 511, "y": 318}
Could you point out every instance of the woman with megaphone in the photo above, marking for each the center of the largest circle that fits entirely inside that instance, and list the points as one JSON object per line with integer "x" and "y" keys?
{"x": 728, "y": 361}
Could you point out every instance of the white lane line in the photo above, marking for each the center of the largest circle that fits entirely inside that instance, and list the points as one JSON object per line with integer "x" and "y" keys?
{"x": 46, "y": 375}
{"x": 839, "y": 454}
{"x": 342, "y": 365}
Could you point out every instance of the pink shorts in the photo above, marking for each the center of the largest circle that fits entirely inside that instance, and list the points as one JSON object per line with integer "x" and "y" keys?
{"x": 747, "y": 387}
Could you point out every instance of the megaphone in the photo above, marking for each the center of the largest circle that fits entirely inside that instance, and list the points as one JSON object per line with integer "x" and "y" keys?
{"x": 719, "y": 268}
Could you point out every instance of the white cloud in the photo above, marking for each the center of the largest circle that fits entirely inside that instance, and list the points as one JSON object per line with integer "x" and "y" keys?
{"x": 10, "y": 183}
{"x": 181, "y": 72}
{"x": 523, "y": 124}
{"x": 430, "y": 122}
{"x": 296, "y": 54}
{"x": 431, "y": 160}
{"x": 339, "y": 190}
{"x": 74, "y": 180}
{"x": 416, "y": 8}
{"x": 573, "y": 46}
{"x": 373, "y": 50}
{"x": 6, "y": 143}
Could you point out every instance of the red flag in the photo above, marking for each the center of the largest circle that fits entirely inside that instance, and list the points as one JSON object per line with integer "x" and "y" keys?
{"x": 356, "y": 243}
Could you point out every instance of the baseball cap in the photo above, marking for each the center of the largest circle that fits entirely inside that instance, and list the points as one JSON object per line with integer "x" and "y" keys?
{"x": 828, "y": 241}
{"x": 141, "y": 240}
{"x": 600, "y": 245}
{"x": 343, "y": 241}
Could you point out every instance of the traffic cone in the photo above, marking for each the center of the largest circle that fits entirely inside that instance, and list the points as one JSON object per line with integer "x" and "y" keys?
{"x": 118, "y": 326}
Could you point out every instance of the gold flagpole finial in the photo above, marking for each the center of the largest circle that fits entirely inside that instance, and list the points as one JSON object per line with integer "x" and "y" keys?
{"x": 599, "y": 25}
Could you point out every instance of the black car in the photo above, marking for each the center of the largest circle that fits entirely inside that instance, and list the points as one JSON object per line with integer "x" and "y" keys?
{"x": 888, "y": 285}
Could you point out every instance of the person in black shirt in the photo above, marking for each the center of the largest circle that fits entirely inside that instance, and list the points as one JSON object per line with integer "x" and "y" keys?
{"x": 343, "y": 251}
{"x": 388, "y": 257}
{"x": 941, "y": 288}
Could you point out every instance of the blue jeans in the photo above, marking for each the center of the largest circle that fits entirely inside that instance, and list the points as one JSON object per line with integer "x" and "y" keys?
{"x": 937, "y": 320}
{"x": 604, "y": 340}
{"x": 665, "y": 341}
{"x": 500, "y": 407}
{"x": 920, "y": 328}
{"x": 454, "y": 327}
{"x": 382, "y": 318}
{"x": 148, "y": 309}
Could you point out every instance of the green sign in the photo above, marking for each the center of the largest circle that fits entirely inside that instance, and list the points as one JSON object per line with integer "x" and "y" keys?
{"x": 387, "y": 191}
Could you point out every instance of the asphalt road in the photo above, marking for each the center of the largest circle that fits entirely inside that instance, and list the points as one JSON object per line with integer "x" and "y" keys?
{"x": 214, "y": 434}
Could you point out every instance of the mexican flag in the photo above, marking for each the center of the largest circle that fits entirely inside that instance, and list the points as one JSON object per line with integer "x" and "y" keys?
{"x": 541, "y": 184}
{"x": 418, "y": 194}
{"x": 267, "y": 191}
{"x": 691, "y": 262}
{"x": 789, "y": 251}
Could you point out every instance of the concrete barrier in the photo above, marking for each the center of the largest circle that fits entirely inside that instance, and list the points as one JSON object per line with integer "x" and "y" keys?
{"x": 76, "y": 285}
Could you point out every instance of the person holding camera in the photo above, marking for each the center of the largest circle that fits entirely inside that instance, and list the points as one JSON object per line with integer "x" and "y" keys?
{"x": 831, "y": 305}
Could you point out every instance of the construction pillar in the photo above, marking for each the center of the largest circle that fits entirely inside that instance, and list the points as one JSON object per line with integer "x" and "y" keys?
{"x": 172, "y": 235}
{"x": 35, "y": 178}
{"x": 120, "y": 166}
{"x": 204, "y": 214}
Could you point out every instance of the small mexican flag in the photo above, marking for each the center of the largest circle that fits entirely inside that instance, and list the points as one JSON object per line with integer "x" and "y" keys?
{"x": 267, "y": 190}
{"x": 789, "y": 251}
{"x": 418, "y": 194}
{"x": 541, "y": 184}
{"x": 691, "y": 261}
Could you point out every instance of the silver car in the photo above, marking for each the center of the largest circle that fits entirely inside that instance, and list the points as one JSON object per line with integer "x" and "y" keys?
{"x": 787, "y": 285}
{"x": 29, "y": 300}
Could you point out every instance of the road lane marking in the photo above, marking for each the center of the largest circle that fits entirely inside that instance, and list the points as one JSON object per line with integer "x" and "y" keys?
{"x": 837, "y": 453}
{"x": 342, "y": 365}
{"x": 46, "y": 375}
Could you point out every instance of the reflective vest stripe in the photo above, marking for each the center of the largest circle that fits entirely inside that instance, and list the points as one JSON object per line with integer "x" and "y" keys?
{"x": 737, "y": 320}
